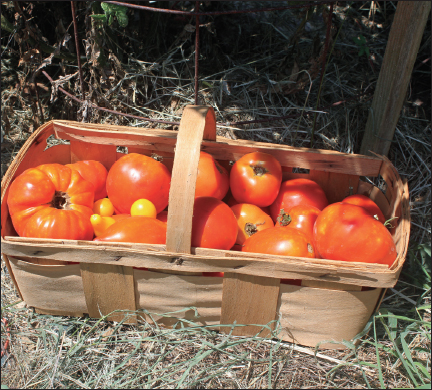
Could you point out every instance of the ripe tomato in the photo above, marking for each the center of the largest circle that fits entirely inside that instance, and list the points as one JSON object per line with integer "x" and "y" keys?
{"x": 103, "y": 207}
{"x": 230, "y": 201}
{"x": 348, "y": 232}
{"x": 255, "y": 179}
{"x": 162, "y": 216}
{"x": 300, "y": 217}
{"x": 51, "y": 201}
{"x": 250, "y": 220}
{"x": 137, "y": 229}
{"x": 213, "y": 225}
{"x": 94, "y": 172}
{"x": 212, "y": 179}
{"x": 284, "y": 242}
{"x": 118, "y": 217}
{"x": 143, "y": 207}
{"x": 298, "y": 192}
{"x": 366, "y": 203}
{"x": 135, "y": 176}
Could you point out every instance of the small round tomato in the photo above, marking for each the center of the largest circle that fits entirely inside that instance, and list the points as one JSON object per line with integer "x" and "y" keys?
{"x": 143, "y": 207}
{"x": 348, "y": 232}
{"x": 103, "y": 207}
{"x": 212, "y": 179}
{"x": 94, "y": 172}
{"x": 137, "y": 229}
{"x": 255, "y": 179}
{"x": 250, "y": 220}
{"x": 284, "y": 242}
{"x": 135, "y": 176}
{"x": 51, "y": 201}
{"x": 213, "y": 224}
{"x": 298, "y": 192}
{"x": 100, "y": 224}
{"x": 300, "y": 217}
{"x": 366, "y": 203}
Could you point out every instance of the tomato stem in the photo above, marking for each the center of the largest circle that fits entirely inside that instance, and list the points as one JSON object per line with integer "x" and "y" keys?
{"x": 283, "y": 218}
{"x": 258, "y": 170}
{"x": 61, "y": 200}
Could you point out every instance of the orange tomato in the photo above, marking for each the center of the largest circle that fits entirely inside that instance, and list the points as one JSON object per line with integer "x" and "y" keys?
{"x": 212, "y": 179}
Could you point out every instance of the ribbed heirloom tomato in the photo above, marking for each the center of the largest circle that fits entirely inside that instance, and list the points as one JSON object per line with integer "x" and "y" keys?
{"x": 94, "y": 172}
{"x": 135, "y": 176}
{"x": 255, "y": 178}
{"x": 212, "y": 179}
{"x": 298, "y": 192}
{"x": 51, "y": 201}
{"x": 348, "y": 232}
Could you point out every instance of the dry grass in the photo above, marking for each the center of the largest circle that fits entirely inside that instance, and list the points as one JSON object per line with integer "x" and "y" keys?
{"x": 268, "y": 70}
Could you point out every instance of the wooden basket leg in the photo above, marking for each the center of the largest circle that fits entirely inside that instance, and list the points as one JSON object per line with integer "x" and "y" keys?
{"x": 107, "y": 288}
{"x": 249, "y": 300}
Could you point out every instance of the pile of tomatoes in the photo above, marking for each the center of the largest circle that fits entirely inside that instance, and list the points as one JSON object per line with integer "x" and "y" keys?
{"x": 245, "y": 207}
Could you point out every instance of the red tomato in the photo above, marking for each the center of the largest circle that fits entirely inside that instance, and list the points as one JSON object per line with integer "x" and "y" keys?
{"x": 51, "y": 201}
{"x": 255, "y": 179}
{"x": 250, "y": 220}
{"x": 118, "y": 217}
{"x": 348, "y": 232}
{"x": 212, "y": 179}
{"x": 94, "y": 172}
{"x": 137, "y": 229}
{"x": 284, "y": 242}
{"x": 135, "y": 176}
{"x": 298, "y": 192}
{"x": 300, "y": 217}
{"x": 230, "y": 201}
{"x": 366, "y": 203}
{"x": 162, "y": 216}
{"x": 213, "y": 274}
{"x": 213, "y": 225}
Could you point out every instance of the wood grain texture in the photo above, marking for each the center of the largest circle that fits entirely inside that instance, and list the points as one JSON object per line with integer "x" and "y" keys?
{"x": 401, "y": 51}
{"x": 196, "y": 122}
{"x": 108, "y": 287}
{"x": 249, "y": 300}
{"x": 330, "y": 285}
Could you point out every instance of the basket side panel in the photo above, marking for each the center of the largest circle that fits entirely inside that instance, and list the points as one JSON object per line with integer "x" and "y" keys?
{"x": 105, "y": 154}
{"x": 249, "y": 300}
{"x": 108, "y": 287}
{"x": 161, "y": 293}
{"x": 50, "y": 287}
{"x": 312, "y": 315}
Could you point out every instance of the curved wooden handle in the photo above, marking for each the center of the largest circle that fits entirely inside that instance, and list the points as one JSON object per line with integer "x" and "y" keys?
{"x": 197, "y": 123}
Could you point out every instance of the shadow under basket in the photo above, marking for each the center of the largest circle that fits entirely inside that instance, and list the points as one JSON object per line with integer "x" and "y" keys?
{"x": 314, "y": 300}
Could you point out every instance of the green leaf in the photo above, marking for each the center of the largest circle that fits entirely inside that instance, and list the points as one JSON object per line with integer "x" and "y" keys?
{"x": 367, "y": 51}
{"x": 361, "y": 51}
{"x": 122, "y": 19}
{"x": 99, "y": 17}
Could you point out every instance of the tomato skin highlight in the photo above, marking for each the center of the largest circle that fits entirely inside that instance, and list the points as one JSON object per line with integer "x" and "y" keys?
{"x": 213, "y": 224}
{"x": 136, "y": 229}
{"x": 94, "y": 172}
{"x": 348, "y": 232}
{"x": 212, "y": 179}
{"x": 255, "y": 179}
{"x": 51, "y": 201}
{"x": 280, "y": 241}
{"x": 366, "y": 203}
{"x": 135, "y": 176}
{"x": 250, "y": 219}
{"x": 298, "y": 192}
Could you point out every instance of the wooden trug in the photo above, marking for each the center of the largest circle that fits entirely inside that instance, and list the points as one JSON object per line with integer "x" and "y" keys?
{"x": 110, "y": 276}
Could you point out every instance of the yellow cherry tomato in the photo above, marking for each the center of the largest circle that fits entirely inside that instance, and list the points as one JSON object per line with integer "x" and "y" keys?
{"x": 100, "y": 224}
{"x": 144, "y": 208}
{"x": 103, "y": 207}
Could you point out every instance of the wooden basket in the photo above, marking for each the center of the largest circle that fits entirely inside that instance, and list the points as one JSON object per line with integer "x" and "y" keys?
{"x": 75, "y": 278}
